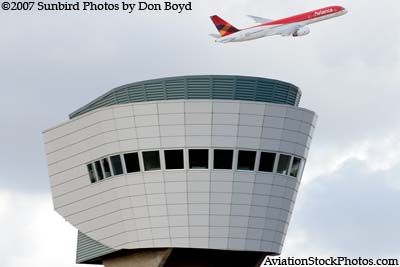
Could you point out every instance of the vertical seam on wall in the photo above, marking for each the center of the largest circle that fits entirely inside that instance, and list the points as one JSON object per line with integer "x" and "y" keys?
{"x": 255, "y": 172}
{"x": 210, "y": 168}
{"x": 275, "y": 177}
{"x": 282, "y": 210}
{"x": 188, "y": 167}
{"x": 119, "y": 147}
{"x": 144, "y": 183}
{"x": 234, "y": 174}
{"x": 161, "y": 150}
{"x": 130, "y": 197}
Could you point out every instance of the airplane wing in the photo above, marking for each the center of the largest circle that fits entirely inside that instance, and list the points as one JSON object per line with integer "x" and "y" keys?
{"x": 260, "y": 19}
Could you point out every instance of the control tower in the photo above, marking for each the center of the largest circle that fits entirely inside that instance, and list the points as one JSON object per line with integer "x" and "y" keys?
{"x": 185, "y": 171}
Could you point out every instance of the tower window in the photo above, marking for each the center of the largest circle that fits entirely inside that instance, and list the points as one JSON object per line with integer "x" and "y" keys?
{"x": 283, "y": 164}
{"x": 99, "y": 171}
{"x": 106, "y": 167}
{"x": 116, "y": 164}
{"x": 294, "y": 171}
{"x": 173, "y": 159}
{"x": 92, "y": 175}
{"x": 198, "y": 158}
{"x": 132, "y": 162}
{"x": 223, "y": 159}
{"x": 246, "y": 160}
{"x": 151, "y": 160}
{"x": 267, "y": 161}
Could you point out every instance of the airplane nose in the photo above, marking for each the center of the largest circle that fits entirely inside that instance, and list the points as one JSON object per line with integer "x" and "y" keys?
{"x": 344, "y": 11}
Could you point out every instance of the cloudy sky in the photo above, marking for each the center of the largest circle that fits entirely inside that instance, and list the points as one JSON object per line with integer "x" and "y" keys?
{"x": 348, "y": 69}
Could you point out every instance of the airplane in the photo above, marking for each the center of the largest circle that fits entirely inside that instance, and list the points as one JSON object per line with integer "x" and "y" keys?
{"x": 292, "y": 26}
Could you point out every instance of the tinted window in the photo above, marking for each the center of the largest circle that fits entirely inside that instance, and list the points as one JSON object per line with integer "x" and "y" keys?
{"x": 173, "y": 159}
{"x": 223, "y": 159}
{"x": 106, "y": 167}
{"x": 151, "y": 160}
{"x": 246, "y": 160}
{"x": 198, "y": 158}
{"x": 267, "y": 161}
{"x": 132, "y": 162}
{"x": 99, "y": 171}
{"x": 283, "y": 164}
{"x": 92, "y": 175}
{"x": 116, "y": 164}
{"x": 294, "y": 171}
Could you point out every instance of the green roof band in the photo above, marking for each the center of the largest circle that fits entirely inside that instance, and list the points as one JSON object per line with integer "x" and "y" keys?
{"x": 224, "y": 87}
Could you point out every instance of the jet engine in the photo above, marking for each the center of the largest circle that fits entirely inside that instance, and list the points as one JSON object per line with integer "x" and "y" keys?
{"x": 301, "y": 32}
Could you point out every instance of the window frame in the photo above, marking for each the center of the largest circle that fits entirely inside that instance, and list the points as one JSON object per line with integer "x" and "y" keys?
{"x": 122, "y": 164}
{"x": 125, "y": 165}
{"x": 159, "y": 160}
{"x": 140, "y": 157}
{"x": 255, "y": 160}
{"x": 299, "y": 171}
{"x": 94, "y": 180}
{"x": 274, "y": 165}
{"x": 109, "y": 167}
{"x": 208, "y": 159}
{"x": 163, "y": 160}
{"x": 97, "y": 171}
{"x": 289, "y": 165}
{"x": 232, "y": 160}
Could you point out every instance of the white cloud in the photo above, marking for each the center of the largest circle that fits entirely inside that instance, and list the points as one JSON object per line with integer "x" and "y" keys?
{"x": 33, "y": 234}
{"x": 300, "y": 245}
{"x": 380, "y": 153}
{"x": 4, "y": 203}
{"x": 348, "y": 212}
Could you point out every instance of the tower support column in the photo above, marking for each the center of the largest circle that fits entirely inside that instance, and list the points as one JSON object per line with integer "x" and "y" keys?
{"x": 142, "y": 258}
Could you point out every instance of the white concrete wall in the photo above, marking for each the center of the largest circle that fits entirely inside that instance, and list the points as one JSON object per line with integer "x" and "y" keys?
{"x": 238, "y": 210}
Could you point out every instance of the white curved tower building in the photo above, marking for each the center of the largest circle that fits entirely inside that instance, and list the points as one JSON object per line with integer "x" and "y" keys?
{"x": 182, "y": 171}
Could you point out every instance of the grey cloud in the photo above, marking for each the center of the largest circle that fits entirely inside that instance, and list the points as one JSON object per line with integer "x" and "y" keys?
{"x": 352, "y": 211}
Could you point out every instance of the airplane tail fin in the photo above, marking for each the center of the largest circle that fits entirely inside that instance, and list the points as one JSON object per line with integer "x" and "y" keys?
{"x": 223, "y": 27}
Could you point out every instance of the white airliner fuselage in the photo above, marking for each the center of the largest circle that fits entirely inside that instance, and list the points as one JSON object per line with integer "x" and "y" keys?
{"x": 291, "y": 26}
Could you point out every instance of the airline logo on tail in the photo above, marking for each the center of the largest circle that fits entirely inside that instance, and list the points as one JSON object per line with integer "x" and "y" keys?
{"x": 222, "y": 26}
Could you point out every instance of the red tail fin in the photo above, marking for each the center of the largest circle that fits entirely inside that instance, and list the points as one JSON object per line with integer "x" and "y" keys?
{"x": 222, "y": 26}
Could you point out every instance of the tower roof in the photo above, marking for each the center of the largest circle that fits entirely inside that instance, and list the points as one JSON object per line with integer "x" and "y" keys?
{"x": 226, "y": 87}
